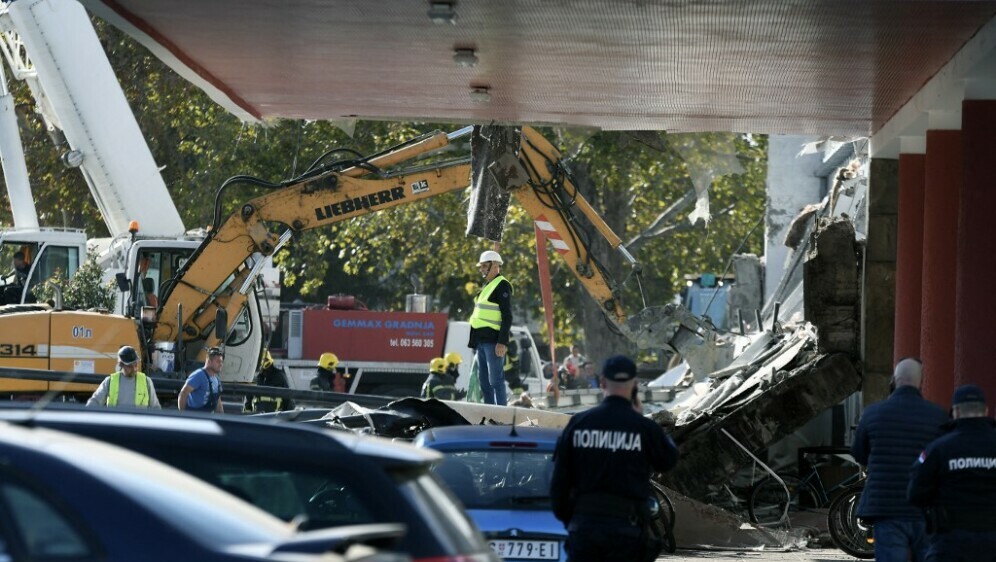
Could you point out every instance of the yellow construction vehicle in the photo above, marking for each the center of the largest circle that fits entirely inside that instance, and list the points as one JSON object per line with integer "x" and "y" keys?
{"x": 199, "y": 304}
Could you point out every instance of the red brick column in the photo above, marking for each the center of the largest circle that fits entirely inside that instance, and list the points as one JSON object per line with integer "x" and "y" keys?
{"x": 909, "y": 256}
{"x": 975, "y": 337}
{"x": 942, "y": 186}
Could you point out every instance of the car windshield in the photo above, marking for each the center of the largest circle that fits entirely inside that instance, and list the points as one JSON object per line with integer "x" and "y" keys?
{"x": 499, "y": 479}
{"x": 443, "y": 517}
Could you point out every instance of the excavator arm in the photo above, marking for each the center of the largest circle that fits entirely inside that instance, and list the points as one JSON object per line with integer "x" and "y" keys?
{"x": 219, "y": 274}
{"x": 549, "y": 194}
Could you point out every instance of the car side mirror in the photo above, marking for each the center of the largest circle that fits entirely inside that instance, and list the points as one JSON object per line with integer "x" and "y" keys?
{"x": 221, "y": 325}
{"x": 124, "y": 285}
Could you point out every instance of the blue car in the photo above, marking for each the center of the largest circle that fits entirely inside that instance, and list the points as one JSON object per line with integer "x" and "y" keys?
{"x": 502, "y": 476}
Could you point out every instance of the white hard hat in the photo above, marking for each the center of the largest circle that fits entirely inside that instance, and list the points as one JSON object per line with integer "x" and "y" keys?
{"x": 489, "y": 255}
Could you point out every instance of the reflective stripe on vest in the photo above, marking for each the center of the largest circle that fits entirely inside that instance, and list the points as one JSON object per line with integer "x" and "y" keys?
{"x": 486, "y": 313}
{"x": 141, "y": 389}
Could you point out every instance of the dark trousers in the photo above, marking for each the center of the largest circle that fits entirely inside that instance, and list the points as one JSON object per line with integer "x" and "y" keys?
{"x": 595, "y": 538}
{"x": 962, "y": 546}
{"x": 899, "y": 540}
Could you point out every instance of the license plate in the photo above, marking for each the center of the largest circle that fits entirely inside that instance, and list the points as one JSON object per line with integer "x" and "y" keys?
{"x": 527, "y": 550}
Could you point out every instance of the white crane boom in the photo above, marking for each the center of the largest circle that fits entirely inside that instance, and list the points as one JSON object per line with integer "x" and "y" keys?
{"x": 78, "y": 93}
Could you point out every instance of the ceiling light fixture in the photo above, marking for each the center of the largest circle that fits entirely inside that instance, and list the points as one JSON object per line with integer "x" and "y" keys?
{"x": 480, "y": 94}
{"x": 442, "y": 12}
{"x": 466, "y": 58}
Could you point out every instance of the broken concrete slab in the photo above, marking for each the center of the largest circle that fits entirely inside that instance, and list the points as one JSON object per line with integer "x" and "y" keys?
{"x": 708, "y": 457}
{"x": 832, "y": 281}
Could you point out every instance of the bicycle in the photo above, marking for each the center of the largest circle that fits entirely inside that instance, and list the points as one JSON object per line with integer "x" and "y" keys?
{"x": 848, "y": 532}
{"x": 664, "y": 518}
{"x": 773, "y": 502}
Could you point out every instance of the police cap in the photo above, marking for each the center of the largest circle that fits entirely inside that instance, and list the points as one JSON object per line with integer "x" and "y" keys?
{"x": 619, "y": 368}
{"x": 968, "y": 393}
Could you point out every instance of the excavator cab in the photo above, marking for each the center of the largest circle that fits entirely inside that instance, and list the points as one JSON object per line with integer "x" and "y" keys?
{"x": 30, "y": 259}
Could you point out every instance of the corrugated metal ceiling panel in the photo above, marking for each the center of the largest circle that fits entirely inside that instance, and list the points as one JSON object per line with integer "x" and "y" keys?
{"x": 765, "y": 66}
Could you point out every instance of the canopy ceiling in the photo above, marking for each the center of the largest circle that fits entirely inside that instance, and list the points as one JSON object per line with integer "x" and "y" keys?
{"x": 827, "y": 67}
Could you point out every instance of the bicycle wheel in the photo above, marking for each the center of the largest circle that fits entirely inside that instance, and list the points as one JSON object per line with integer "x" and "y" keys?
{"x": 665, "y": 518}
{"x": 850, "y": 534}
{"x": 768, "y": 499}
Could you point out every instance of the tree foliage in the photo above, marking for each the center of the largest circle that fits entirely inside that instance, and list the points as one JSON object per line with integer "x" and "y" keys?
{"x": 85, "y": 290}
{"x": 631, "y": 178}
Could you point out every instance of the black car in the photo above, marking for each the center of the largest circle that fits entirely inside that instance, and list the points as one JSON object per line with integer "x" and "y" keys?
{"x": 314, "y": 477}
{"x": 66, "y": 497}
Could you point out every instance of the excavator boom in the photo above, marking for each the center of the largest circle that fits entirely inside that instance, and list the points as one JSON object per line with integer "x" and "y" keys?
{"x": 529, "y": 169}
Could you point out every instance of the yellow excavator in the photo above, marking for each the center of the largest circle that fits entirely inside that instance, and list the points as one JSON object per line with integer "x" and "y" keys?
{"x": 198, "y": 305}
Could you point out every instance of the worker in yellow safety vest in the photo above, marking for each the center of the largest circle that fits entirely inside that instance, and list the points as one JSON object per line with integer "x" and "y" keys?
{"x": 490, "y": 326}
{"x": 128, "y": 387}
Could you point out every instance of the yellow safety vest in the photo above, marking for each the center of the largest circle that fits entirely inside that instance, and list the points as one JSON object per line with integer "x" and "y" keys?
{"x": 486, "y": 313}
{"x": 141, "y": 390}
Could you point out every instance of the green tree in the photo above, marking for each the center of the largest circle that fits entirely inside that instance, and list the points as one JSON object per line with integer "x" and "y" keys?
{"x": 85, "y": 290}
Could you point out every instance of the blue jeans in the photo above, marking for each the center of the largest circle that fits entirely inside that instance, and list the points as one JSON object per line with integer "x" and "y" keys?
{"x": 491, "y": 373}
{"x": 897, "y": 539}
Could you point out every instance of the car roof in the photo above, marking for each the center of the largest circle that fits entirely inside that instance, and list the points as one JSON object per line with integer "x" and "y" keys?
{"x": 125, "y": 469}
{"x": 238, "y": 431}
{"x": 480, "y": 435}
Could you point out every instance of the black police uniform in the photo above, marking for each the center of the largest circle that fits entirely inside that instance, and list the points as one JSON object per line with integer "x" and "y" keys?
{"x": 955, "y": 481}
{"x": 601, "y": 479}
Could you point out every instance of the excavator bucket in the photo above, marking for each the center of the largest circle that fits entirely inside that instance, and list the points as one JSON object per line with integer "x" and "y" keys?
{"x": 495, "y": 172}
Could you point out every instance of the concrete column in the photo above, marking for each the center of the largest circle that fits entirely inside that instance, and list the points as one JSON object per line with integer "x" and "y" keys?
{"x": 878, "y": 296}
{"x": 909, "y": 255}
{"x": 975, "y": 335}
{"x": 942, "y": 186}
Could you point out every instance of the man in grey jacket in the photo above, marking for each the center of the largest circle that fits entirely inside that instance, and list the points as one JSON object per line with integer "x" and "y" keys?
{"x": 889, "y": 438}
{"x": 127, "y": 387}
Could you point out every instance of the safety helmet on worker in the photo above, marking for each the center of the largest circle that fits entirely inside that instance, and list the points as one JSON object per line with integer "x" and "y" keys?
{"x": 490, "y": 256}
{"x": 437, "y": 365}
{"x": 127, "y": 355}
{"x": 267, "y": 359}
{"x": 453, "y": 359}
{"x": 328, "y": 361}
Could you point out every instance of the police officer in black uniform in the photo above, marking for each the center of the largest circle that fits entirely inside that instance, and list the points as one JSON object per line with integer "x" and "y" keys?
{"x": 601, "y": 476}
{"x": 954, "y": 481}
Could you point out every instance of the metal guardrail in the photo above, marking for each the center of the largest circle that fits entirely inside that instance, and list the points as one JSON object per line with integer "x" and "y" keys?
{"x": 166, "y": 386}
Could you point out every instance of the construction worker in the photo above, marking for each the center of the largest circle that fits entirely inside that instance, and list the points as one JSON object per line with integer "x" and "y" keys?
{"x": 490, "y": 326}
{"x": 328, "y": 379}
{"x": 270, "y": 375}
{"x": 127, "y": 387}
{"x": 440, "y": 384}
{"x": 202, "y": 390}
